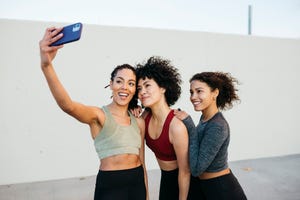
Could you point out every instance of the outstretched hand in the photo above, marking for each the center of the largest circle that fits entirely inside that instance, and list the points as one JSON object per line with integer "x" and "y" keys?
{"x": 48, "y": 52}
{"x": 180, "y": 114}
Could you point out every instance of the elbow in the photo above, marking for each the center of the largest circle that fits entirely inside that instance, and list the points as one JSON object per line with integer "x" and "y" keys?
{"x": 66, "y": 107}
{"x": 184, "y": 172}
{"x": 195, "y": 173}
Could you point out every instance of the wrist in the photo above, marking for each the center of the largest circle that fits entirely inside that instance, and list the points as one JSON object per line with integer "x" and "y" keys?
{"x": 45, "y": 65}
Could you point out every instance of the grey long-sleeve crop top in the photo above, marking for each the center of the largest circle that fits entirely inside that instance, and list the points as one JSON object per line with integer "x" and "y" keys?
{"x": 208, "y": 144}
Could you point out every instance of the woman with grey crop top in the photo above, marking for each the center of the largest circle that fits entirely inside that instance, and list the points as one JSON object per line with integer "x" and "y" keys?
{"x": 118, "y": 135}
{"x": 158, "y": 89}
{"x": 208, "y": 141}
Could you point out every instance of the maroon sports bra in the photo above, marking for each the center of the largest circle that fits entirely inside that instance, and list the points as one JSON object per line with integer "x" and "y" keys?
{"x": 161, "y": 146}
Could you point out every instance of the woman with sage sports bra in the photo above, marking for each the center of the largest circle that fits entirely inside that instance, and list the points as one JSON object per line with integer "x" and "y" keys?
{"x": 118, "y": 135}
{"x": 158, "y": 89}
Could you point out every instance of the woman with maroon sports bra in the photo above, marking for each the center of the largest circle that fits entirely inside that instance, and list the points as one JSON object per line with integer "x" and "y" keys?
{"x": 158, "y": 89}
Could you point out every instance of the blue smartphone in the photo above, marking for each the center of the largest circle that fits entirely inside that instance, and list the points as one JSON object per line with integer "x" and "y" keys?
{"x": 71, "y": 33}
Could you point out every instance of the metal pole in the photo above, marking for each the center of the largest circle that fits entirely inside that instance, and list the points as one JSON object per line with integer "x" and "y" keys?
{"x": 249, "y": 19}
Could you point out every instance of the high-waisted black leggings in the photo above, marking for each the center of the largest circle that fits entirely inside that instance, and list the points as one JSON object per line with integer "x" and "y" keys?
{"x": 220, "y": 188}
{"x": 169, "y": 188}
{"x": 125, "y": 184}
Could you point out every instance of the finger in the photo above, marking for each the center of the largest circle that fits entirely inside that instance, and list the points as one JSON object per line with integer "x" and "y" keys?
{"x": 176, "y": 112}
{"x": 135, "y": 113}
{"x": 139, "y": 110}
{"x": 48, "y": 32}
{"x": 51, "y": 35}
{"x": 55, "y": 31}
{"x": 47, "y": 37}
{"x": 44, "y": 47}
{"x": 54, "y": 38}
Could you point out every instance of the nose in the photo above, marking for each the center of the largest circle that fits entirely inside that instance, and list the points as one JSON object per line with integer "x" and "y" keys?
{"x": 141, "y": 91}
{"x": 193, "y": 96}
{"x": 124, "y": 86}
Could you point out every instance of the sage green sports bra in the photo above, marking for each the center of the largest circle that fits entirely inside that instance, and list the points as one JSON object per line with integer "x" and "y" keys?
{"x": 115, "y": 139}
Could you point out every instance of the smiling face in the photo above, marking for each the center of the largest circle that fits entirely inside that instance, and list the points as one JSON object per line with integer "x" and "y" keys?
{"x": 201, "y": 96}
{"x": 149, "y": 92}
{"x": 123, "y": 86}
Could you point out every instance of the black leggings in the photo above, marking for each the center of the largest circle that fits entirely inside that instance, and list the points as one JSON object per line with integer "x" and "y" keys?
{"x": 220, "y": 188}
{"x": 169, "y": 188}
{"x": 125, "y": 184}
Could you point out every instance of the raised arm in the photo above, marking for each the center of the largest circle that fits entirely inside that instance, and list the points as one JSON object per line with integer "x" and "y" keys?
{"x": 85, "y": 114}
{"x": 179, "y": 139}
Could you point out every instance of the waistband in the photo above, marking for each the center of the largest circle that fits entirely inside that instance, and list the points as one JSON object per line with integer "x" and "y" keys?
{"x": 123, "y": 170}
{"x": 174, "y": 171}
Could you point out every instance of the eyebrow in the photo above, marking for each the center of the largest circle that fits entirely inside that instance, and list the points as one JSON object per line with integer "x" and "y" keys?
{"x": 145, "y": 82}
{"x": 120, "y": 77}
{"x": 198, "y": 88}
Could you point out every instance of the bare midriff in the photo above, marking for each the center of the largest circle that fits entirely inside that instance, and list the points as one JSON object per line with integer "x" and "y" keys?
{"x": 167, "y": 165}
{"x": 119, "y": 162}
{"x": 209, "y": 175}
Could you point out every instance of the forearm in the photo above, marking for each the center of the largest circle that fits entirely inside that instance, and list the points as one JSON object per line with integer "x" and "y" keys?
{"x": 189, "y": 124}
{"x": 204, "y": 152}
{"x": 146, "y": 183}
{"x": 142, "y": 155}
{"x": 58, "y": 91}
{"x": 145, "y": 176}
{"x": 194, "y": 143}
{"x": 184, "y": 184}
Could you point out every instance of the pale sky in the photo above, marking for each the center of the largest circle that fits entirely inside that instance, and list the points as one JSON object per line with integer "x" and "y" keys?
{"x": 272, "y": 18}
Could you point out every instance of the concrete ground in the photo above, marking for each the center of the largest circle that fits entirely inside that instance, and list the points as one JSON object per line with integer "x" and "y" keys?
{"x": 275, "y": 178}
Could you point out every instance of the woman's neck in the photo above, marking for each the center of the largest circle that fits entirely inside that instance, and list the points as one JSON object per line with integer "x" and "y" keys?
{"x": 209, "y": 113}
{"x": 160, "y": 112}
{"x": 118, "y": 110}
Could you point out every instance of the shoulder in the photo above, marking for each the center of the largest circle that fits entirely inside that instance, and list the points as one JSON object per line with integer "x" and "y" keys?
{"x": 218, "y": 120}
{"x": 218, "y": 125}
{"x": 101, "y": 116}
{"x": 98, "y": 121}
{"x": 100, "y": 111}
{"x": 178, "y": 133}
{"x": 140, "y": 121}
{"x": 141, "y": 124}
{"x": 177, "y": 127}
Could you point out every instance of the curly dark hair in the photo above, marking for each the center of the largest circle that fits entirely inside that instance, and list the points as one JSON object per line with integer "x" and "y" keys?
{"x": 164, "y": 74}
{"x": 134, "y": 101}
{"x": 226, "y": 85}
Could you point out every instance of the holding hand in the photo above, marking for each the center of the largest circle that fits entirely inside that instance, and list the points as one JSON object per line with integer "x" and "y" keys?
{"x": 48, "y": 52}
{"x": 136, "y": 111}
{"x": 180, "y": 114}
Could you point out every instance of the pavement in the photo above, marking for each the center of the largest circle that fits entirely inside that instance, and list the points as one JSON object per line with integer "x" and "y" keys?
{"x": 272, "y": 178}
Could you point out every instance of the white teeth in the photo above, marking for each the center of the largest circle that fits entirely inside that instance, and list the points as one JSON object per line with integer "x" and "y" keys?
{"x": 196, "y": 103}
{"x": 123, "y": 94}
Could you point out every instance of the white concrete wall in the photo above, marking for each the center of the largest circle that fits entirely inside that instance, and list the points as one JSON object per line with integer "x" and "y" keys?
{"x": 40, "y": 142}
